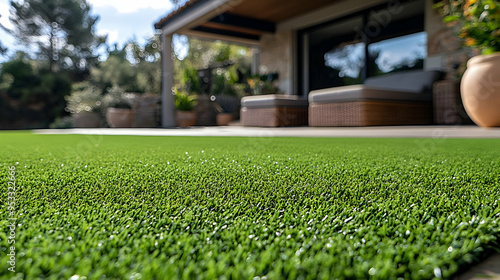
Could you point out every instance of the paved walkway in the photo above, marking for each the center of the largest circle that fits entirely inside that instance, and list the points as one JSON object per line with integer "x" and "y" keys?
{"x": 366, "y": 132}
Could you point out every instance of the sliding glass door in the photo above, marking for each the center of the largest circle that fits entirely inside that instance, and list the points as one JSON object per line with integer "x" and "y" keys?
{"x": 372, "y": 42}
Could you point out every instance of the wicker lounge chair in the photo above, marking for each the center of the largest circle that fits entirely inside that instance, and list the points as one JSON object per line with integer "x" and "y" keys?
{"x": 396, "y": 99}
{"x": 274, "y": 110}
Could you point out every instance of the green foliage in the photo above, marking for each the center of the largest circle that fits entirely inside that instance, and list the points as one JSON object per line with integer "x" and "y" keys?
{"x": 238, "y": 208}
{"x": 184, "y": 101}
{"x": 143, "y": 75}
{"x": 37, "y": 94}
{"x": 147, "y": 64}
{"x": 116, "y": 97}
{"x": 224, "y": 82}
{"x": 150, "y": 52}
{"x": 62, "y": 123}
{"x": 62, "y": 30}
{"x": 148, "y": 77}
{"x": 116, "y": 70}
{"x": 86, "y": 98}
{"x": 224, "y": 53}
{"x": 262, "y": 84}
{"x": 20, "y": 76}
{"x": 203, "y": 54}
{"x": 3, "y": 49}
{"x": 190, "y": 81}
{"x": 478, "y": 22}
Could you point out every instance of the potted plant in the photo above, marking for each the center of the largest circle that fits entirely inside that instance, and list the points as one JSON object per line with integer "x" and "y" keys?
{"x": 184, "y": 103}
{"x": 264, "y": 84}
{"x": 478, "y": 23}
{"x": 84, "y": 104}
{"x": 118, "y": 105}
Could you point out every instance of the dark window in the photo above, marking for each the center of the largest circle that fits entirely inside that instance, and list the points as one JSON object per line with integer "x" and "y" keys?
{"x": 345, "y": 51}
{"x": 398, "y": 54}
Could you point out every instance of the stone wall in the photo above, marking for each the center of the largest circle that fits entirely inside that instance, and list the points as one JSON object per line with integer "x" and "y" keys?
{"x": 276, "y": 56}
{"x": 444, "y": 47}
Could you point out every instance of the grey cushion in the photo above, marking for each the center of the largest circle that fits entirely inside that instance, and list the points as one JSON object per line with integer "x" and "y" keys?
{"x": 273, "y": 100}
{"x": 362, "y": 92}
{"x": 413, "y": 85}
{"x": 417, "y": 81}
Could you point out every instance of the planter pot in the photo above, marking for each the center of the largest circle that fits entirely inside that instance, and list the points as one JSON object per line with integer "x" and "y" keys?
{"x": 205, "y": 112}
{"x": 118, "y": 117}
{"x": 146, "y": 108}
{"x": 224, "y": 119}
{"x": 481, "y": 90}
{"x": 86, "y": 120}
{"x": 186, "y": 118}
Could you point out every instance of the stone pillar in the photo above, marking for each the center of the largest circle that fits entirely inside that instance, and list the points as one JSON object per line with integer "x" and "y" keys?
{"x": 255, "y": 61}
{"x": 167, "y": 70}
{"x": 444, "y": 49}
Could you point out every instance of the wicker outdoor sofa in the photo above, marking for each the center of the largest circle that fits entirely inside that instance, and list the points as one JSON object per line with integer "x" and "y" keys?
{"x": 274, "y": 110}
{"x": 403, "y": 98}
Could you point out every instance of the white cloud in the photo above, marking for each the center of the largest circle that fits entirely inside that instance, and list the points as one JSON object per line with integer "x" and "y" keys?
{"x": 4, "y": 15}
{"x": 112, "y": 35}
{"x": 130, "y": 6}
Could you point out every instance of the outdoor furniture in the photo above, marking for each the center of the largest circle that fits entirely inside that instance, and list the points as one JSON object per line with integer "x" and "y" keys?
{"x": 448, "y": 106}
{"x": 274, "y": 110}
{"x": 403, "y": 98}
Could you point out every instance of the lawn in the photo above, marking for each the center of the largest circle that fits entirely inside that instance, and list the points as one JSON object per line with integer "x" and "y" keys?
{"x": 132, "y": 207}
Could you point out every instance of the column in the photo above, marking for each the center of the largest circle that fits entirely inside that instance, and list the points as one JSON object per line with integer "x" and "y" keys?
{"x": 255, "y": 61}
{"x": 167, "y": 98}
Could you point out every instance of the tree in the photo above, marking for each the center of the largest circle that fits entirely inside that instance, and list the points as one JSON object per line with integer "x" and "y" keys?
{"x": 33, "y": 97}
{"x": 147, "y": 63}
{"x": 116, "y": 70}
{"x": 3, "y": 49}
{"x": 63, "y": 32}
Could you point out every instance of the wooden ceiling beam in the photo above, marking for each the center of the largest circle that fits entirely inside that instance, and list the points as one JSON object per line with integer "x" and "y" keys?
{"x": 244, "y": 22}
{"x": 228, "y": 33}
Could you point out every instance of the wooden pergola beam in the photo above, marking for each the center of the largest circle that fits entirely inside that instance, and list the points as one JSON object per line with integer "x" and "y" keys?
{"x": 244, "y": 22}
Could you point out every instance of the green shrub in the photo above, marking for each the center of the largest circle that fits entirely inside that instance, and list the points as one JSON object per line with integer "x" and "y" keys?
{"x": 477, "y": 21}
{"x": 84, "y": 99}
{"x": 184, "y": 101}
{"x": 116, "y": 97}
{"x": 39, "y": 96}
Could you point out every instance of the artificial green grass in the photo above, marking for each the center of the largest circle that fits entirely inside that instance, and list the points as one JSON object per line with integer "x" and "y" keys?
{"x": 125, "y": 207}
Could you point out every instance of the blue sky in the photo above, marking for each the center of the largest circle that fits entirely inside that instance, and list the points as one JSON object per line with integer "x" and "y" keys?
{"x": 119, "y": 19}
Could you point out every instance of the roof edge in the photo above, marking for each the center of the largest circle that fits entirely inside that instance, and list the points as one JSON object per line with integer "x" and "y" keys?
{"x": 182, "y": 10}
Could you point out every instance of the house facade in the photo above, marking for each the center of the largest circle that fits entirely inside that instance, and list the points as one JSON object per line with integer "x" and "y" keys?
{"x": 315, "y": 44}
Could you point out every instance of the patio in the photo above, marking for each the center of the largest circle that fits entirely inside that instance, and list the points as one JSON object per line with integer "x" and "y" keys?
{"x": 307, "y": 49}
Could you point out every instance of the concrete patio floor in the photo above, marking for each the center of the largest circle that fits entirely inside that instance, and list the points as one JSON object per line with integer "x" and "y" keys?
{"x": 436, "y": 132}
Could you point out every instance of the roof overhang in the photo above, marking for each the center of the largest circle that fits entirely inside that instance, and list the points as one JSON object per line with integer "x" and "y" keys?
{"x": 243, "y": 21}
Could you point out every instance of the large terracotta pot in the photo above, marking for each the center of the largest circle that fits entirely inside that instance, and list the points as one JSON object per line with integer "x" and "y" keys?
{"x": 86, "y": 119}
{"x": 186, "y": 118}
{"x": 481, "y": 90}
{"x": 224, "y": 119}
{"x": 119, "y": 117}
